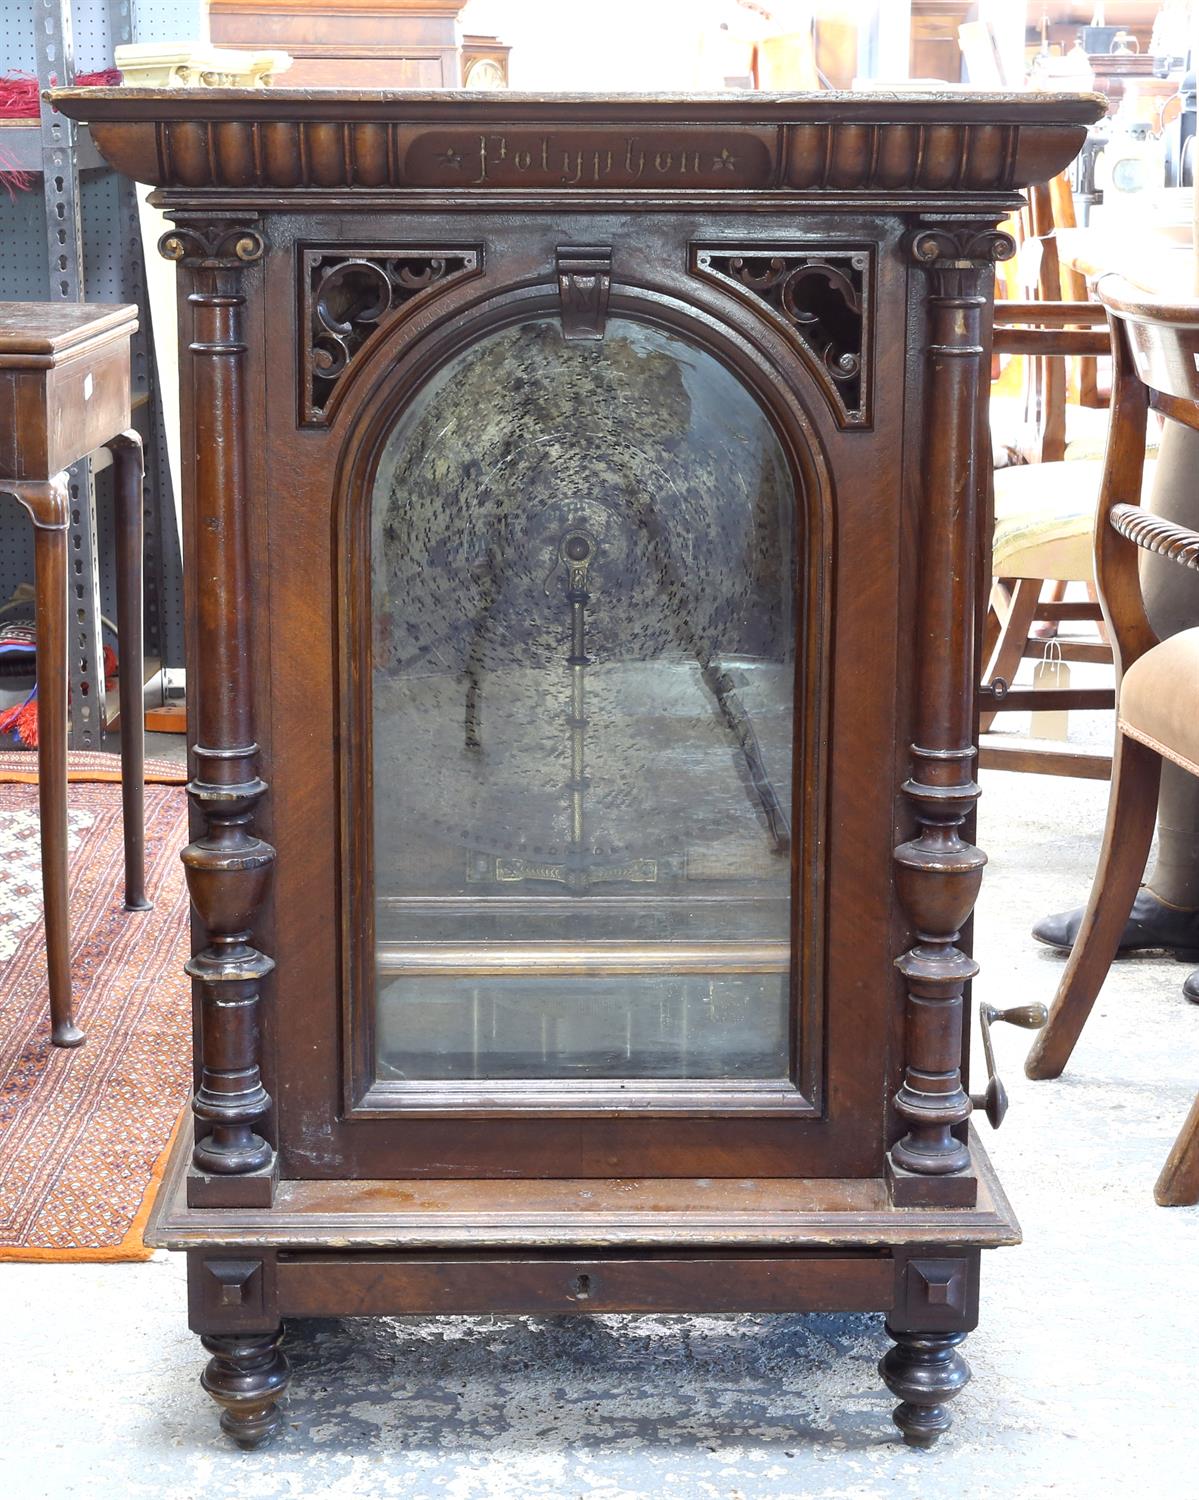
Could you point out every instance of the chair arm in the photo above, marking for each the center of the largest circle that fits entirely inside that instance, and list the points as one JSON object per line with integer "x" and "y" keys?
{"x": 1177, "y": 543}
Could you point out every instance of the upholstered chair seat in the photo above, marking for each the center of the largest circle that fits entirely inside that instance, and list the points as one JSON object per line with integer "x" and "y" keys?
{"x": 1157, "y": 699}
{"x": 1044, "y": 519}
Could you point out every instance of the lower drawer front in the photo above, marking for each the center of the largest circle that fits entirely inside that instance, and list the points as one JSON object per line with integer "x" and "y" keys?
{"x": 343, "y": 1286}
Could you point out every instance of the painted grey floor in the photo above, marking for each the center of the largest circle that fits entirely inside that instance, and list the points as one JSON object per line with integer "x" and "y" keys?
{"x": 1084, "y": 1363}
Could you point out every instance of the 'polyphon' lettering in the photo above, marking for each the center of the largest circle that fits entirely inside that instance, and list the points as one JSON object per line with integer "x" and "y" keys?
{"x": 557, "y": 159}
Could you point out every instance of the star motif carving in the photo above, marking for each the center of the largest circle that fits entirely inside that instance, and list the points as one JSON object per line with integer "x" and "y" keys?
{"x": 451, "y": 158}
{"x": 726, "y": 159}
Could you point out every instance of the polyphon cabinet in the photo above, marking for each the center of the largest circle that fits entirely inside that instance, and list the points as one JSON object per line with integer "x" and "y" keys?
{"x": 585, "y": 520}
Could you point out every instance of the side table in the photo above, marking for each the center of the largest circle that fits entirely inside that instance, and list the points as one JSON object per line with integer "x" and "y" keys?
{"x": 64, "y": 392}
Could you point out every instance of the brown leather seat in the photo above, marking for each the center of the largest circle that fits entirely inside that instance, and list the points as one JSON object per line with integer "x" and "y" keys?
{"x": 1157, "y": 699}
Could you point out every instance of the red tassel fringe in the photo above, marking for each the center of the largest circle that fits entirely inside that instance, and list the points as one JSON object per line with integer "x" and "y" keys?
{"x": 19, "y": 91}
{"x": 21, "y": 721}
{"x": 13, "y": 179}
{"x": 19, "y": 101}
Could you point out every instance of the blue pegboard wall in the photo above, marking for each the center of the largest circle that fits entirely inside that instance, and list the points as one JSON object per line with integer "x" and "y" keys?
{"x": 16, "y": 36}
{"x": 98, "y": 26}
{"x": 170, "y": 21}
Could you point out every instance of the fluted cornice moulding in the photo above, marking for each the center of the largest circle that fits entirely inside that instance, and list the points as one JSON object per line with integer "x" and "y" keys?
{"x": 870, "y": 144}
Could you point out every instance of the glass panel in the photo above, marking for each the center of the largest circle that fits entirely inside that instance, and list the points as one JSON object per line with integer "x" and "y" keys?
{"x": 584, "y": 660}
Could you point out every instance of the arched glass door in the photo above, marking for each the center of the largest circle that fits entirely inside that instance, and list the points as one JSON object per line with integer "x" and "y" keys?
{"x": 583, "y": 670}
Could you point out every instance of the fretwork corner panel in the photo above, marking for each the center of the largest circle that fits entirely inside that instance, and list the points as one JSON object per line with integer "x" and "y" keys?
{"x": 584, "y": 514}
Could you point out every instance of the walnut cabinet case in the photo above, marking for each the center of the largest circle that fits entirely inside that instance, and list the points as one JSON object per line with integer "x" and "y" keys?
{"x": 584, "y": 518}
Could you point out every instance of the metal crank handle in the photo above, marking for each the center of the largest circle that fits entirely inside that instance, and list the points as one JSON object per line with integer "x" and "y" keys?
{"x": 994, "y": 1100}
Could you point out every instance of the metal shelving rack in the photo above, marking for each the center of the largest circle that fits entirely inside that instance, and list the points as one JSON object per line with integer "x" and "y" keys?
{"x": 81, "y": 241}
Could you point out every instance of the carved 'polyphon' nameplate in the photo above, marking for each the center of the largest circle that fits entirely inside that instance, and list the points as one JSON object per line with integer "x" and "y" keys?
{"x": 565, "y": 158}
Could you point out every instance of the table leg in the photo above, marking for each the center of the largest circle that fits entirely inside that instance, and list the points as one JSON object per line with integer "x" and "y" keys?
{"x": 126, "y": 452}
{"x": 49, "y": 506}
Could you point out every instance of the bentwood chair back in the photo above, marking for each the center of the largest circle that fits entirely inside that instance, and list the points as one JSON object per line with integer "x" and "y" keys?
{"x": 1155, "y": 348}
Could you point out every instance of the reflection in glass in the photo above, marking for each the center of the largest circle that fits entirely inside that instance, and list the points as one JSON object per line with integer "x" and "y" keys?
{"x": 582, "y": 599}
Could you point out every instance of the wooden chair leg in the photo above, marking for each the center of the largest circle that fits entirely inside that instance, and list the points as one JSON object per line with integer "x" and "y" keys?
{"x": 1047, "y": 630}
{"x": 998, "y": 609}
{"x": 1131, "y": 815}
{"x": 1178, "y": 1185}
{"x": 1100, "y": 623}
{"x": 1005, "y": 658}
{"x": 50, "y": 566}
{"x": 128, "y": 472}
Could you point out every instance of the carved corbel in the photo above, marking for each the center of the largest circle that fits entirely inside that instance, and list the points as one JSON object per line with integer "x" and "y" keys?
{"x": 938, "y": 873}
{"x": 227, "y": 866}
{"x": 584, "y": 280}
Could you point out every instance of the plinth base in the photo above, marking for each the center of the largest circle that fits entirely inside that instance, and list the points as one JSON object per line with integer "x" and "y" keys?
{"x": 350, "y": 1249}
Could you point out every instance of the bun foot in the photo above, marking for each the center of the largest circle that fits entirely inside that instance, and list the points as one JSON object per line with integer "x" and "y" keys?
{"x": 245, "y": 1377}
{"x": 926, "y": 1372}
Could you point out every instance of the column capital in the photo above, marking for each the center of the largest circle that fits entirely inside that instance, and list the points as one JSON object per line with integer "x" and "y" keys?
{"x": 215, "y": 245}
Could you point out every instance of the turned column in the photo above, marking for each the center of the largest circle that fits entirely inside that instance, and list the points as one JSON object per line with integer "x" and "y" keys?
{"x": 938, "y": 872}
{"x": 227, "y": 866}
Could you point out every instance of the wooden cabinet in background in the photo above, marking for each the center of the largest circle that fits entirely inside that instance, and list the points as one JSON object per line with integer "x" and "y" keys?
{"x": 365, "y": 44}
{"x": 935, "y": 51}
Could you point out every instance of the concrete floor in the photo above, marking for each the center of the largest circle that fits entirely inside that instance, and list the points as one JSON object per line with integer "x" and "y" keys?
{"x": 1084, "y": 1362}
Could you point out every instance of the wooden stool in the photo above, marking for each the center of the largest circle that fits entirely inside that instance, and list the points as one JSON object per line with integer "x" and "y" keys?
{"x": 64, "y": 392}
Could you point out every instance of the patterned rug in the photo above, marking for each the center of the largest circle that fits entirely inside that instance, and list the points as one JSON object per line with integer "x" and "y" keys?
{"x": 87, "y": 765}
{"x": 83, "y": 1132}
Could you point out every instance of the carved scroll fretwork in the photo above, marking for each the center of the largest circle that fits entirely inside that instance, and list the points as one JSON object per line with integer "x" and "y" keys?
{"x": 348, "y": 295}
{"x": 822, "y": 298}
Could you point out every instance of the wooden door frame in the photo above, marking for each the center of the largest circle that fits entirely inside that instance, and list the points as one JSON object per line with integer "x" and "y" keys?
{"x": 339, "y": 457}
